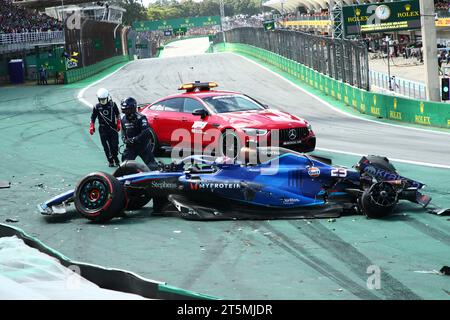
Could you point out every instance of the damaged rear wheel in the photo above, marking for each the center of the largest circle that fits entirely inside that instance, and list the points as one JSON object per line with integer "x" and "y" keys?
{"x": 379, "y": 200}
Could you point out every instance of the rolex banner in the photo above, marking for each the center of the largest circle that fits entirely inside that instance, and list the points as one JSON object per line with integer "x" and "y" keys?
{"x": 381, "y": 17}
{"x": 162, "y": 25}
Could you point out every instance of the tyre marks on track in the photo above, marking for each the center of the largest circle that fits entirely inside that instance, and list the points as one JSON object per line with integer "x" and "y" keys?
{"x": 319, "y": 265}
{"x": 353, "y": 259}
{"x": 428, "y": 230}
{"x": 214, "y": 250}
{"x": 213, "y": 258}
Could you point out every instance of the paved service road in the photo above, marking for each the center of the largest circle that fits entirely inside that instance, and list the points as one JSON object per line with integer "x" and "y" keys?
{"x": 147, "y": 80}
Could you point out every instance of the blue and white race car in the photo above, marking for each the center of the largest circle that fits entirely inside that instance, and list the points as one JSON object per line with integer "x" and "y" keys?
{"x": 266, "y": 183}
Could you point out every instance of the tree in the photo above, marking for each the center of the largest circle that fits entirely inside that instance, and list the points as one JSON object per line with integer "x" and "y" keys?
{"x": 135, "y": 11}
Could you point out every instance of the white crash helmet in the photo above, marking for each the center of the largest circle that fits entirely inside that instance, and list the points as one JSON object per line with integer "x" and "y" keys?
{"x": 103, "y": 96}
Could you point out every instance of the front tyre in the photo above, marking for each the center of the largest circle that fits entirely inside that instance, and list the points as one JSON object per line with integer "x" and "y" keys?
{"x": 99, "y": 197}
{"x": 229, "y": 144}
{"x": 154, "y": 144}
{"x": 379, "y": 200}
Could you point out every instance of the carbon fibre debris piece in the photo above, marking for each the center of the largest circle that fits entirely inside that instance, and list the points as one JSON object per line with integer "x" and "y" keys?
{"x": 445, "y": 270}
{"x": 5, "y": 184}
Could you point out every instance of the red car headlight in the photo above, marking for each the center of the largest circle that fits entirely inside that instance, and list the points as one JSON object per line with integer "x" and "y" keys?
{"x": 252, "y": 132}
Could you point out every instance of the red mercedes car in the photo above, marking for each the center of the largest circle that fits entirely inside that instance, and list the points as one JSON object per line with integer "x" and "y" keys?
{"x": 225, "y": 121}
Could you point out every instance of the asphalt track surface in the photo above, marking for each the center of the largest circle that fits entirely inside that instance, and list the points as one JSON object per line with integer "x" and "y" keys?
{"x": 46, "y": 149}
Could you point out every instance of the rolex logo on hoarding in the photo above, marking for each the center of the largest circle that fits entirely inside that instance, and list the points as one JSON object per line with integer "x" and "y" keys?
{"x": 407, "y": 7}
{"x": 422, "y": 106}
{"x": 358, "y": 12}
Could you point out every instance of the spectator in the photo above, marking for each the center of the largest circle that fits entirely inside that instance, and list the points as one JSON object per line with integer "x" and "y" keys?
{"x": 16, "y": 19}
{"x": 43, "y": 75}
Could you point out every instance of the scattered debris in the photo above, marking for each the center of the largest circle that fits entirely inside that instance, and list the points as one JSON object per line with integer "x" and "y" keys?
{"x": 429, "y": 272}
{"x": 340, "y": 290}
{"x": 79, "y": 229}
{"x": 12, "y": 220}
{"x": 5, "y": 184}
{"x": 177, "y": 231}
{"x": 39, "y": 185}
{"x": 116, "y": 228}
{"x": 331, "y": 220}
{"x": 248, "y": 243}
{"x": 445, "y": 270}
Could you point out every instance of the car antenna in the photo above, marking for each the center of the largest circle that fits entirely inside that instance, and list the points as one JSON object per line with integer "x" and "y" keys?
{"x": 179, "y": 77}
{"x": 309, "y": 159}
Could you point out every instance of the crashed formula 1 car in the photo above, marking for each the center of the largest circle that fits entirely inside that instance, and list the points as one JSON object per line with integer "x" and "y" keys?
{"x": 285, "y": 184}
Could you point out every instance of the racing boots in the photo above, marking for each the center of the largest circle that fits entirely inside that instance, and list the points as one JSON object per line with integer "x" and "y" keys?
{"x": 116, "y": 162}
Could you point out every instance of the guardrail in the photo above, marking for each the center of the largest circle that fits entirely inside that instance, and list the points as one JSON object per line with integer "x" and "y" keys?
{"x": 78, "y": 74}
{"x": 379, "y": 105}
{"x": 407, "y": 88}
{"x": 13, "y": 38}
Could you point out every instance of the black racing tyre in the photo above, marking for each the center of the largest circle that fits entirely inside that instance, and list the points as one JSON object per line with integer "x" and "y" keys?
{"x": 99, "y": 197}
{"x": 130, "y": 167}
{"x": 379, "y": 200}
{"x": 229, "y": 144}
{"x": 136, "y": 198}
{"x": 154, "y": 143}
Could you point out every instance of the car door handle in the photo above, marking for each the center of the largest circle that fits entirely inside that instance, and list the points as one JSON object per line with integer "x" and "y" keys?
{"x": 155, "y": 117}
{"x": 184, "y": 119}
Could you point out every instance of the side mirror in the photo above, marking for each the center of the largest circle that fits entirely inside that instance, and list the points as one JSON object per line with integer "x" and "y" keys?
{"x": 200, "y": 112}
{"x": 266, "y": 106}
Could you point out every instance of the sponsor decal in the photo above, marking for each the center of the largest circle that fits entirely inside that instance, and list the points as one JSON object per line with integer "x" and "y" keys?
{"x": 375, "y": 111}
{"x": 163, "y": 185}
{"x": 388, "y": 176}
{"x": 198, "y": 126}
{"x": 313, "y": 172}
{"x": 290, "y": 200}
{"x": 370, "y": 170}
{"x": 395, "y": 115}
{"x": 216, "y": 185}
{"x": 339, "y": 172}
{"x": 422, "y": 120}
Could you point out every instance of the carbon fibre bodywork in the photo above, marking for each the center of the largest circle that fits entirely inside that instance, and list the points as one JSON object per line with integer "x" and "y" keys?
{"x": 285, "y": 185}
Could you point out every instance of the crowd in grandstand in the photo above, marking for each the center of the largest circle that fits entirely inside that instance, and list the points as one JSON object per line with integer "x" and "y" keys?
{"x": 16, "y": 19}
{"x": 243, "y": 20}
{"x": 441, "y": 5}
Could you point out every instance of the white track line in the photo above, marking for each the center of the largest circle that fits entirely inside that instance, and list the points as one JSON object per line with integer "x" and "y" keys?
{"x": 333, "y": 107}
{"x": 82, "y": 91}
{"x": 425, "y": 164}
